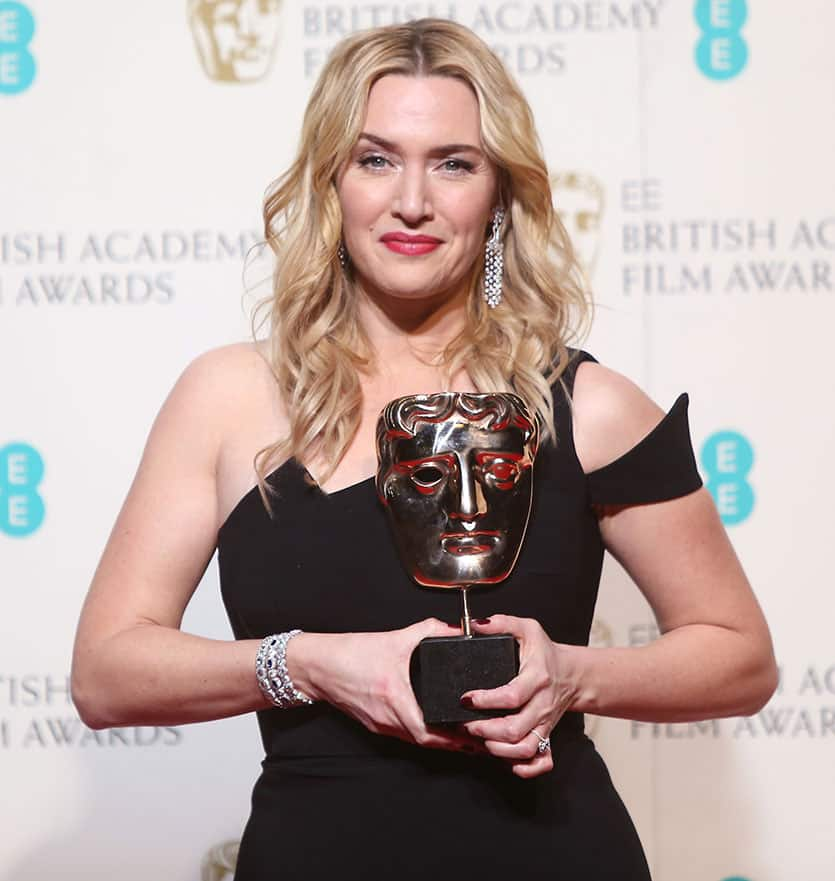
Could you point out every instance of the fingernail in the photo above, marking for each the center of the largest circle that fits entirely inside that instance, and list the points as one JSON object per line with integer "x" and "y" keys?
{"x": 467, "y": 701}
{"x": 481, "y": 620}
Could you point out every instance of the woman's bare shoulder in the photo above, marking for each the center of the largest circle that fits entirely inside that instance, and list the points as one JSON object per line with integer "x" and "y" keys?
{"x": 611, "y": 414}
{"x": 222, "y": 410}
{"x": 221, "y": 394}
{"x": 236, "y": 375}
{"x": 229, "y": 362}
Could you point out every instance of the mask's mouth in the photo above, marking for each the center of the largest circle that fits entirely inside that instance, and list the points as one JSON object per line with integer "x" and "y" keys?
{"x": 470, "y": 543}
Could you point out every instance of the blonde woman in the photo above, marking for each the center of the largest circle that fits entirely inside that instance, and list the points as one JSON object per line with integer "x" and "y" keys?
{"x": 417, "y": 149}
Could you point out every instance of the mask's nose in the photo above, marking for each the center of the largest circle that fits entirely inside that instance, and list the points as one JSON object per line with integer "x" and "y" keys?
{"x": 468, "y": 502}
{"x": 248, "y": 20}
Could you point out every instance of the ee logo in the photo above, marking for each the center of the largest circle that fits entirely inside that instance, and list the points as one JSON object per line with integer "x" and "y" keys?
{"x": 721, "y": 53}
{"x": 17, "y": 66}
{"x": 726, "y": 458}
{"x": 21, "y": 507}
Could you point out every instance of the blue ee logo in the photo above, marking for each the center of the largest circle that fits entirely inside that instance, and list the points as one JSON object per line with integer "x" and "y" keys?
{"x": 721, "y": 53}
{"x": 726, "y": 458}
{"x": 17, "y": 66}
{"x": 21, "y": 507}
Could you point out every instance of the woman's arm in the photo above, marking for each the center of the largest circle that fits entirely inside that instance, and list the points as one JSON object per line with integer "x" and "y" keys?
{"x": 131, "y": 663}
{"x": 714, "y": 657}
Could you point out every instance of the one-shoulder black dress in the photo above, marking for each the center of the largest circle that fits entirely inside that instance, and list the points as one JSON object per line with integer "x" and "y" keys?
{"x": 335, "y": 801}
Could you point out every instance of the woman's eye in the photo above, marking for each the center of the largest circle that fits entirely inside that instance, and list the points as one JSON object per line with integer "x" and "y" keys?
{"x": 457, "y": 166}
{"x": 373, "y": 162}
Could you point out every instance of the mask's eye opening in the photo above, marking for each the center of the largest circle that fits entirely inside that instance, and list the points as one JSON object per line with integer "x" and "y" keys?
{"x": 503, "y": 471}
{"x": 427, "y": 475}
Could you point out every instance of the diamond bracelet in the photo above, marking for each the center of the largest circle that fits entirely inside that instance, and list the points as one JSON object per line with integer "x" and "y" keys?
{"x": 271, "y": 671}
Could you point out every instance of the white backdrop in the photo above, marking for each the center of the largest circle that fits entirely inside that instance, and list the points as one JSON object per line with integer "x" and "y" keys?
{"x": 691, "y": 146}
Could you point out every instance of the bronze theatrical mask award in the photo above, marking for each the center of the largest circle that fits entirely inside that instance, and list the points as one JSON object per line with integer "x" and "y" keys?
{"x": 455, "y": 473}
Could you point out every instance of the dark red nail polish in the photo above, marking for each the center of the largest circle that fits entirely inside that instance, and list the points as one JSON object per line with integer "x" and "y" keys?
{"x": 467, "y": 702}
{"x": 481, "y": 620}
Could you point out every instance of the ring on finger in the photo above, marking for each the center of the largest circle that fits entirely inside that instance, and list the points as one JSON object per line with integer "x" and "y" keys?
{"x": 544, "y": 744}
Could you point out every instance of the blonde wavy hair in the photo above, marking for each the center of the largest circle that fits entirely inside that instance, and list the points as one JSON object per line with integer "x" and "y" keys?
{"x": 317, "y": 346}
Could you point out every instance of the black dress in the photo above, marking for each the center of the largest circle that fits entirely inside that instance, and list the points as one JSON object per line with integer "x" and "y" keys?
{"x": 335, "y": 801}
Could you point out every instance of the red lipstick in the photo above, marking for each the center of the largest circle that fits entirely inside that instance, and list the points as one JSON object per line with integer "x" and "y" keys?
{"x": 405, "y": 243}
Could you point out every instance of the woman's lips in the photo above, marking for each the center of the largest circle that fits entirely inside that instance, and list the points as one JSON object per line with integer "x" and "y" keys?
{"x": 402, "y": 243}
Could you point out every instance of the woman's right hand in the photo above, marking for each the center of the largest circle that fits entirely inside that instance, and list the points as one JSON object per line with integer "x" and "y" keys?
{"x": 366, "y": 675}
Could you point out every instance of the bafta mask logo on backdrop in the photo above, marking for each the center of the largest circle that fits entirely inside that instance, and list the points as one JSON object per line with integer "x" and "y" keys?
{"x": 236, "y": 39}
{"x": 579, "y": 201}
{"x": 17, "y": 65}
{"x": 219, "y": 863}
{"x": 727, "y": 457}
{"x": 721, "y": 52}
{"x": 21, "y": 505}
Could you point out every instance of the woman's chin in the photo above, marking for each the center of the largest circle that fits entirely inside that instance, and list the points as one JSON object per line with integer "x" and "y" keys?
{"x": 429, "y": 293}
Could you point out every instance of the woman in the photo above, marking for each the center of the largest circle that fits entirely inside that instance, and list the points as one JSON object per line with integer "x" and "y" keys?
{"x": 418, "y": 162}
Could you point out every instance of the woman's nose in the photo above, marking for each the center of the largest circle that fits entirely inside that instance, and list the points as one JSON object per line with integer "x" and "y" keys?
{"x": 412, "y": 201}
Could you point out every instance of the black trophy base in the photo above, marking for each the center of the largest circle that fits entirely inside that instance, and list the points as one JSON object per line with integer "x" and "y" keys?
{"x": 445, "y": 667}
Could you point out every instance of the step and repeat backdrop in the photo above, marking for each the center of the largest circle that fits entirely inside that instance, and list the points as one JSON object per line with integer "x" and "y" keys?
{"x": 691, "y": 149}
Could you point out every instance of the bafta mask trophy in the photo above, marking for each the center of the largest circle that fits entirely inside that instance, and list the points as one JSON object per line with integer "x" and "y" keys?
{"x": 455, "y": 474}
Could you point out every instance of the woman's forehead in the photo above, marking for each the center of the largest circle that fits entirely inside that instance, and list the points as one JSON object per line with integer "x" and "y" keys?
{"x": 436, "y": 106}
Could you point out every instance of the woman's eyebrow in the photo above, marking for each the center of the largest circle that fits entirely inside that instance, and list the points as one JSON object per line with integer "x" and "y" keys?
{"x": 435, "y": 151}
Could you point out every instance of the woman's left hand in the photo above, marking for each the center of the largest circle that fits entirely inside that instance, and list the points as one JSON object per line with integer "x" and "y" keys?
{"x": 542, "y": 691}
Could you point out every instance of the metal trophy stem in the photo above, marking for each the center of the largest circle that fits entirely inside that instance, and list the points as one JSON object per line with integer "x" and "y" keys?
{"x": 465, "y": 618}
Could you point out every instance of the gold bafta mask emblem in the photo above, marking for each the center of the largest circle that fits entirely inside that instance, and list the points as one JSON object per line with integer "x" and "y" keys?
{"x": 578, "y": 199}
{"x": 235, "y": 39}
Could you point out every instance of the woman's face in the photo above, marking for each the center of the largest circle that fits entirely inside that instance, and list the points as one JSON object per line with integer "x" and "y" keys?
{"x": 417, "y": 192}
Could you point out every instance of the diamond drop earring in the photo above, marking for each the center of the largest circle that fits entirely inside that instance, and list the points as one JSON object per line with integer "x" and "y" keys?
{"x": 494, "y": 262}
{"x": 342, "y": 254}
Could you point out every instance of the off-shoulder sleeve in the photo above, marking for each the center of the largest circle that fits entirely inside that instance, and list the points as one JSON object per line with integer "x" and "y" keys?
{"x": 659, "y": 467}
